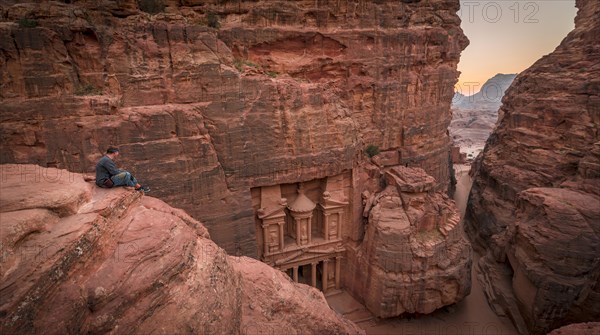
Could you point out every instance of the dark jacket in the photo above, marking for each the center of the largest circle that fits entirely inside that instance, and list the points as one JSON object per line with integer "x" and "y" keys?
{"x": 105, "y": 168}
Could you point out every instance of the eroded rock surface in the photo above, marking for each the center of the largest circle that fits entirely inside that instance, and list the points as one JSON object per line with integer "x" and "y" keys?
{"x": 535, "y": 201}
{"x": 284, "y": 307}
{"x": 414, "y": 257}
{"x": 282, "y": 92}
{"x": 578, "y": 329}
{"x": 79, "y": 259}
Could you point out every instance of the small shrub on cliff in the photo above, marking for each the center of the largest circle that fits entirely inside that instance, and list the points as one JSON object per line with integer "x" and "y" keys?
{"x": 382, "y": 183}
{"x": 372, "y": 150}
{"x": 27, "y": 23}
{"x": 151, "y": 6}
{"x": 212, "y": 20}
{"x": 239, "y": 64}
{"x": 452, "y": 171}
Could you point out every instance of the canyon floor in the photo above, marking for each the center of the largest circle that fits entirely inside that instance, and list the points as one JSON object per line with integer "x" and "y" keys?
{"x": 469, "y": 131}
{"x": 471, "y": 316}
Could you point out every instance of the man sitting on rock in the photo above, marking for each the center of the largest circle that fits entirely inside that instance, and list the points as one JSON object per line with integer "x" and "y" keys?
{"x": 107, "y": 174}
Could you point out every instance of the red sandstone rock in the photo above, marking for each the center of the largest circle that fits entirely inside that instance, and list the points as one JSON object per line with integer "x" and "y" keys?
{"x": 282, "y": 92}
{"x": 116, "y": 261}
{"x": 273, "y": 304}
{"x": 578, "y": 329}
{"x": 554, "y": 255}
{"x": 536, "y": 193}
{"x": 414, "y": 257}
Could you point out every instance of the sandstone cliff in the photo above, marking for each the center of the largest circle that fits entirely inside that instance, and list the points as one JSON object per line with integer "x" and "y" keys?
{"x": 80, "y": 259}
{"x": 536, "y": 194}
{"x": 281, "y": 92}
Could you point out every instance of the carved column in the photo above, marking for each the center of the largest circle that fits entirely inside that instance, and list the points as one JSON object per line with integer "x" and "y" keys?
{"x": 298, "y": 233}
{"x": 295, "y": 274}
{"x": 313, "y": 272}
{"x": 326, "y": 226}
{"x": 281, "y": 238}
{"x": 337, "y": 272}
{"x": 339, "y": 227}
{"x": 309, "y": 231}
{"x": 265, "y": 228}
{"x": 324, "y": 278}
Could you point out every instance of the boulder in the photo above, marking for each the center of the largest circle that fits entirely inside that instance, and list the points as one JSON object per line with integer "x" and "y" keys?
{"x": 414, "y": 257}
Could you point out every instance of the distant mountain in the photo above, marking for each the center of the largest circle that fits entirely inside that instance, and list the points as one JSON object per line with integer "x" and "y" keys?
{"x": 490, "y": 95}
{"x": 474, "y": 117}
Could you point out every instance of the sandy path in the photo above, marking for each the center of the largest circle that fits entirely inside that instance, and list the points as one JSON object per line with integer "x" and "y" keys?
{"x": 463, "y": 187}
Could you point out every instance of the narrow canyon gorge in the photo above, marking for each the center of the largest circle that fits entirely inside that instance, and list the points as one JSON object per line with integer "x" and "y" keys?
{"x": 296, "y": 151}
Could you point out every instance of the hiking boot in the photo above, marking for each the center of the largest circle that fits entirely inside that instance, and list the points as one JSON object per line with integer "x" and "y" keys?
{"x": 143, "y": 188}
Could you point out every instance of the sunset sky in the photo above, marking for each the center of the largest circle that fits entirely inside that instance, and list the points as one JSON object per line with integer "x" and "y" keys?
{"x": 509, "y": 36}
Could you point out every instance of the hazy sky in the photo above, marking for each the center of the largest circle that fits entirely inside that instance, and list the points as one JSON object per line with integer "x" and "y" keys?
{"x": 508, "y": 36}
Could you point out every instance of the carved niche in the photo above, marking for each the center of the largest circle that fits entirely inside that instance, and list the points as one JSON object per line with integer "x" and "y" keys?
{"x": 332, "y": 207}
{"x": 272, "y": 215}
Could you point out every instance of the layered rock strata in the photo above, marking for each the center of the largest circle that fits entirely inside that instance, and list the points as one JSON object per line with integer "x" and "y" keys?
{"x": 80, "y": 259}
{"x": 210, "y": 99}
{"x": 415, "y": 257}
{"x": 535, "y": 202}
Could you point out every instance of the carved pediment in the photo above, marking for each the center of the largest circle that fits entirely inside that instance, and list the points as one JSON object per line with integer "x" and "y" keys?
{"x": 305, "y": 254}
{"x": 327, "y": 201}
{"x": 271, "y": 212}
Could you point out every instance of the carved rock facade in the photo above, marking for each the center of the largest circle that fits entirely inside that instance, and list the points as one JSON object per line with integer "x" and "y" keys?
{"x": 304, "y": 237}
